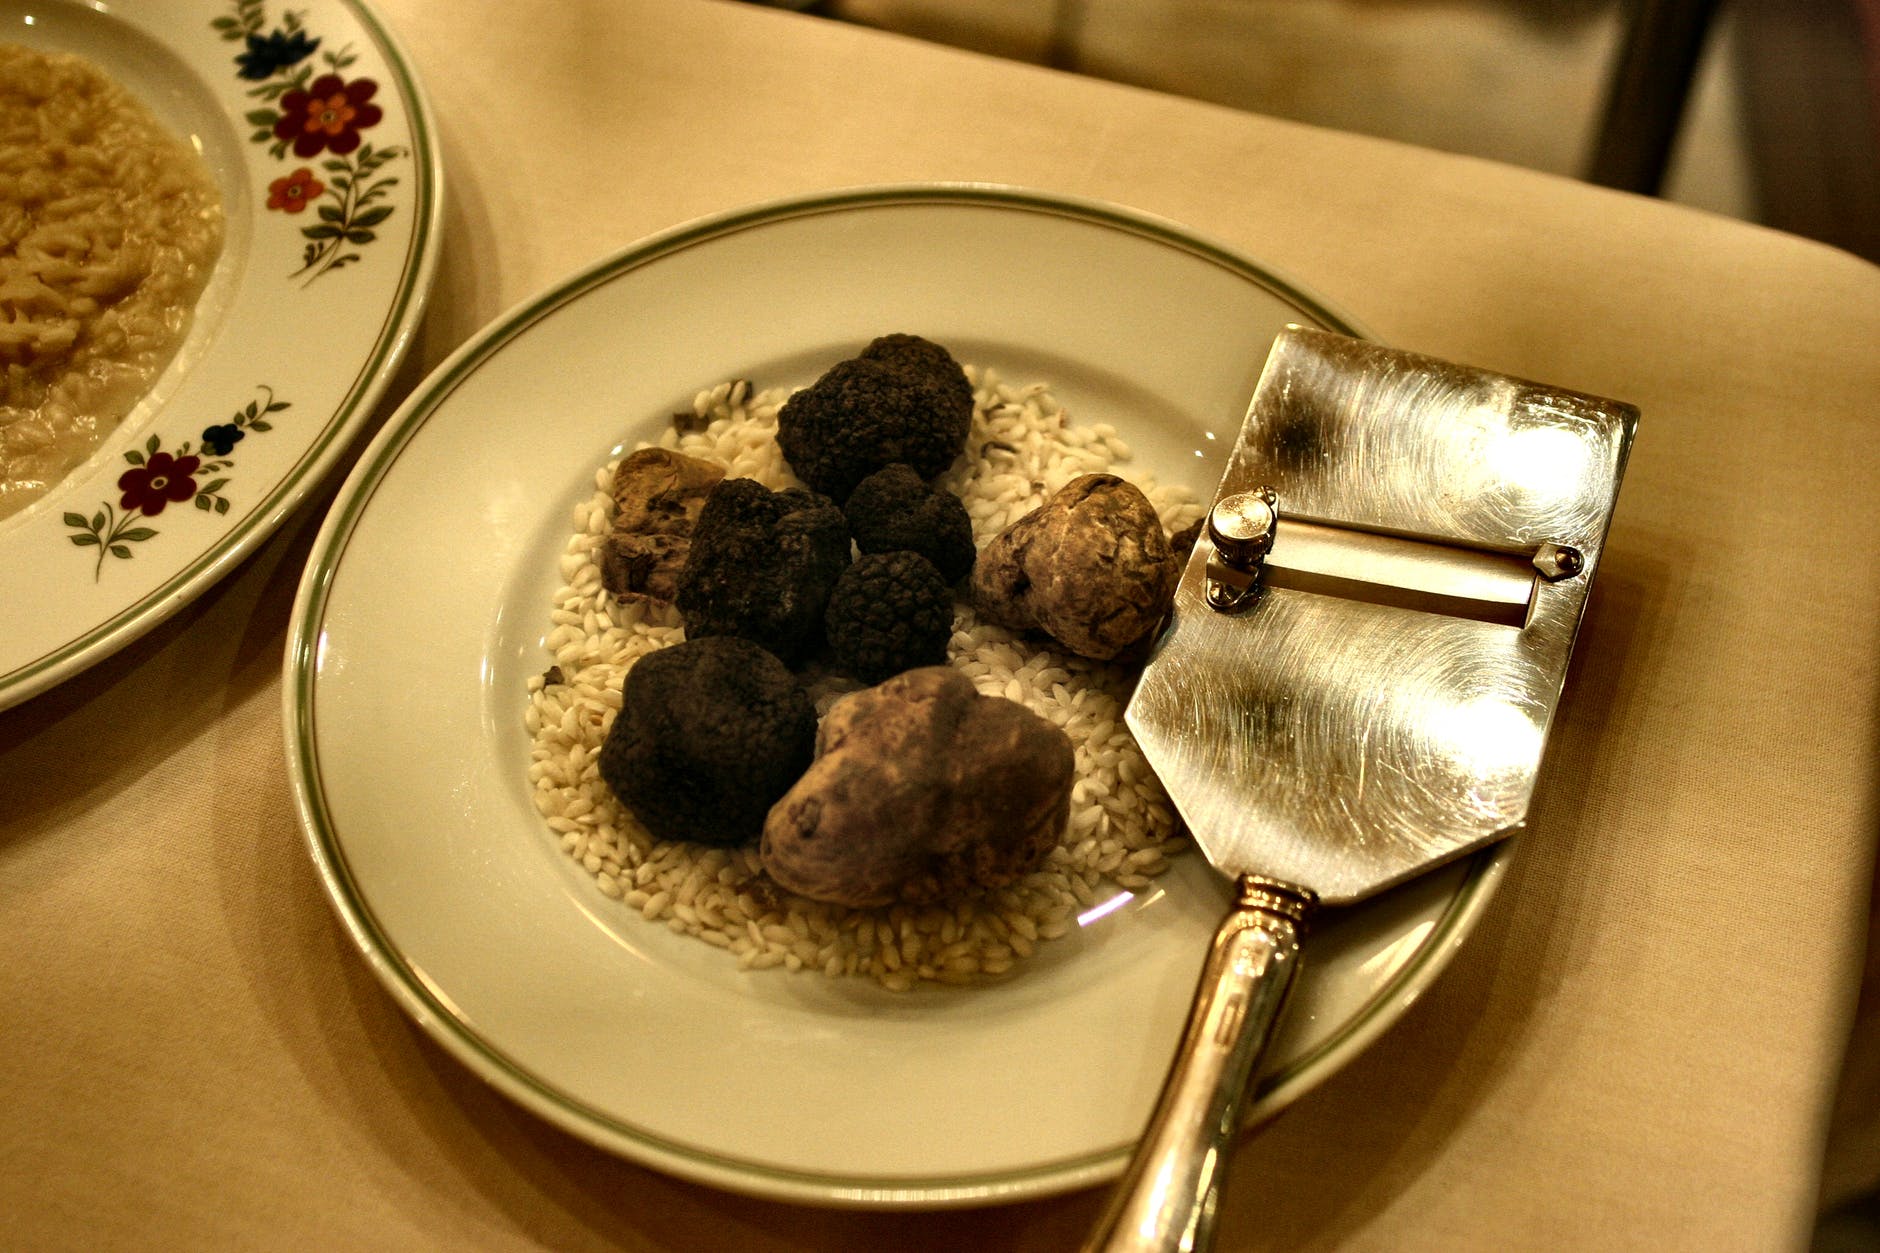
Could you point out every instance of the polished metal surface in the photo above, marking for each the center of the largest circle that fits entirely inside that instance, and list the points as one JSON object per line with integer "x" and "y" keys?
{"x": 1323, "y": 735}
{"x": 1166, "y": 1198}
{"x": 1558, "y": 561}
{"x": 1241, "y": 527}
{"x": 1399, "y": 570}
{"x": 1363, "y": 661}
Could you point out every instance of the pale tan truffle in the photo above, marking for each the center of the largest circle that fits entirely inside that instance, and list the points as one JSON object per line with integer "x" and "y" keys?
{"x": 1091, "y": 567}
{"x": 657, "y": 498}
{"x": 922, "y": 790}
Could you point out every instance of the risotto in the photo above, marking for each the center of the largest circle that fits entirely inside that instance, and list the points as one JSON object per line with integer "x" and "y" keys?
{"x": 1122, "y": 828}
{"x": 109, "y": 227}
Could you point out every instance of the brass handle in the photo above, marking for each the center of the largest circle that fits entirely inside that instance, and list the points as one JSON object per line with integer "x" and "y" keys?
{"x": 1166, "y": 1199}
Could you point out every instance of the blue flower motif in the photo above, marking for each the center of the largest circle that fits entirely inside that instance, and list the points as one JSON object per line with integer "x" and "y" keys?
{"x": 219, "y": 441}
{"x": 268, "y": 54}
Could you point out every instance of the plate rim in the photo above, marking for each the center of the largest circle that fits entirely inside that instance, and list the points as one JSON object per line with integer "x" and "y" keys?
{"x": 430, "y": 1008}
{"x": 227, "y": 550}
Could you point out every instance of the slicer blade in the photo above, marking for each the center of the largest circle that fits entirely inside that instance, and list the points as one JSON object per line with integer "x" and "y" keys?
{"x": 1334, "y": 735}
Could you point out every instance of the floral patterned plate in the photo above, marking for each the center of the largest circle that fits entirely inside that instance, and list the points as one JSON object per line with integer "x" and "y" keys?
{"x": 322, "y": 146}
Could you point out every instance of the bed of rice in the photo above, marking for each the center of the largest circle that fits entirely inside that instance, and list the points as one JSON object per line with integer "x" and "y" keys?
{"x": 1122, "y": 829}
{"x": 109, "y": 227}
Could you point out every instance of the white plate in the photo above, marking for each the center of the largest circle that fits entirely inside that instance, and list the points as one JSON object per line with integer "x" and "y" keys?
{"x": 310, "y": 348}
{"x": 422, "y": 614}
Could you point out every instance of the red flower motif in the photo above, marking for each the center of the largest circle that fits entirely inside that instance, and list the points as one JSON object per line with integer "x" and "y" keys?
{"x": 295, "y": 192}
{"x": 328, "y": 115}
{"x": 160, "y": 481}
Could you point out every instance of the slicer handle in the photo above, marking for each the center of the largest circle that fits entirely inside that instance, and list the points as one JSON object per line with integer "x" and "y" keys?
{"x": 1167, "y": 1196}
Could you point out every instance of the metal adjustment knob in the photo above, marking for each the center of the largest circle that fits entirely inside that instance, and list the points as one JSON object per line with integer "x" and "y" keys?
{"x": 1241, "y": 527}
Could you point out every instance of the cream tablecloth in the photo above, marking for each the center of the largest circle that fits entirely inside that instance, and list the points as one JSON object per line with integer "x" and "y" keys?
{"x": 1638, "y": 1048}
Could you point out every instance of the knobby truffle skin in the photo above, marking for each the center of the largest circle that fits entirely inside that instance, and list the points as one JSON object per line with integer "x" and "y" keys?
{"x": 921, "y": 356}
{"x": 893, "y": 509}
{"x": 1091, "y": 567}
{"x": 922, "y": 791}
{"x": 761, "y": 566}
{"x": 864, "y": 414}
{"x": 709, "y": 735}
{"x": 889, "y": 612}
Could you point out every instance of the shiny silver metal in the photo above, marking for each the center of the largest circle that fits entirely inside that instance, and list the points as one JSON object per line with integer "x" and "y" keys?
{"x": 1556, "y": 562}
{"x": 1166, "y": 1197}
{"x": 1241, "y": 527}
{"x": 1338, "y": 743}
{"x": 1379, "y": 703}
{"x": 1257, "y": 543}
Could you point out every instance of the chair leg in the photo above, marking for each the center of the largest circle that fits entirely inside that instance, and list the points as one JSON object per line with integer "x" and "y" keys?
{"x": 1645, "y": 97}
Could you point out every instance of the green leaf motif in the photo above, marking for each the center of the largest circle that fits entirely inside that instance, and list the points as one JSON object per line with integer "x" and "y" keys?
{"x": 75, "y": 519}
{"x": 118, "y": 550}
{"x": 97, "y": 521}
{"x": 138, "y": 533}
{"x": 351, "y": 203}
{"x": 83, "y": 539}
{"x": 133, "y": 456}
{"x": 221, "y": 504}
{"x": 202, "y": 502}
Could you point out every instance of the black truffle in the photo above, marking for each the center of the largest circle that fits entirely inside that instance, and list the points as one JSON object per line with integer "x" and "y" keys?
{"x": 893, "y": 509}
{"x": 915, "y": 355}
{"x": 864, "y": 414}
{"x": 889, "y": 612}
{"x": 710, "y": 734}
{"x": 761, "y": 566}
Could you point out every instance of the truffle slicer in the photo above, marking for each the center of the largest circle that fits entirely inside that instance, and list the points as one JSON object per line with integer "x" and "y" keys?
{"x": 1364, "y": 657}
